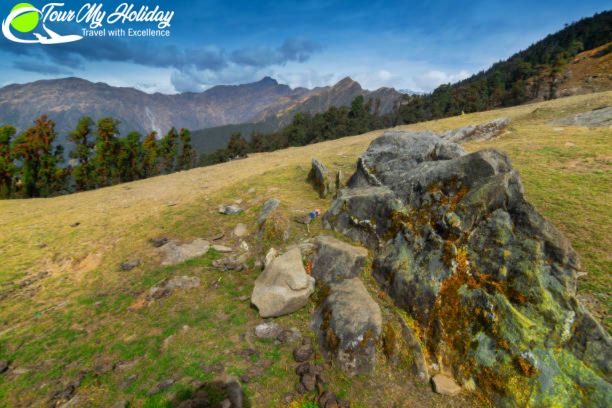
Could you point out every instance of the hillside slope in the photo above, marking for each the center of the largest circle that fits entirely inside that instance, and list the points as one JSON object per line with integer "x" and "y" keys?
{"x": 83, "y": 320}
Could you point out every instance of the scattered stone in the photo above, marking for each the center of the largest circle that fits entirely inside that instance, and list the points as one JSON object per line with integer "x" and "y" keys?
{"x": 349, "y": 324}
{"x": 318, "y": 177}
{"x": 129, "y": 265}
{"x": 161, "y": 386}
{"x": 327, "y": 399}
{"x": 267, "y": 208}
{"x": 222, "y": 249}
{"x": 218, "y": 237}
{"x": 244, "y": 246}
{"x": 231, "y": 263}
{"x": 484, "y": 131}
{"x": 336, "y": 260}
{"x": 283, "y": 287}
{"x": 76, "y": 224}
{"x": 215, "y": 368}
{"x": 127, "y": 383}
{"x": 445, "y": 385}
{"x": 303, "y": 353}
{"x": 601, "y": 117}
{"x": 175, "y": 254}
{"x": 309, "y": 381}
{"x": 232, "y": 209}
{"x": 165, "y": 288}
{"x": 267, "y": 330}
{"x": 241, "y": 230}
{"x": 457, "y": 241}
{"x": 289, "y": 336}
{"x": 158, "y": 242}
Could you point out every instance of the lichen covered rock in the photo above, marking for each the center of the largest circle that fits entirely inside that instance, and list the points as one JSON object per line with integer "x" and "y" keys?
{"x": 489, "y": 281}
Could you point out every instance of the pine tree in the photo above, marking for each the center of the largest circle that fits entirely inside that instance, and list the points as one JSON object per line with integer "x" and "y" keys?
{"x": 107, "y": 151}
{"x": 39, "y": 175}
{"x": 7, "y": 168}
{"x": 131, "y": 158}
{"x": 150, "y": 146}
{"x": 168, "y": 150}
{"x": 82, "y": 153}
{"x": 188, "y": 155}
{"x": 237, "y": 146}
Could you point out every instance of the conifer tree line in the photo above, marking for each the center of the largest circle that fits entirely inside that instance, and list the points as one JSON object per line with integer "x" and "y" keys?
{"x": 307, "y": 128}
{"x": 32, "y": 165}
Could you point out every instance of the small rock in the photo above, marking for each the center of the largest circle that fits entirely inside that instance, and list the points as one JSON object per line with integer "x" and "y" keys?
{"x": 127, "y": 383}
{"x": 161, "y": 386}
{"x": 325, "y": 398}
{"x": 42, "y": 245}
{"x": 288, "y": 336}
{"x": 4, "y": 365}
{"x": 267, "y": 330}
{"x": 215, "y": 368}
{"x": 175, "y": 253}
{"x": 245, "y": 378}
{"x": 167, "y": 287}
{"x": 120, "y": 404}
{"x": 241, "y": 230}
{"x": 266, "y": 210}
{"x": 158, "y": 242}
{"x": 251, "y": 190}
{"x": 302, "y": 353}
{"x": 244, "y": 246}
{"x": 76, "y": 224}
{"x": 129, "y": 265}
{"x": 222, "y": 248}
{"x": 445, "y": 385}
{"x": 288, "y": 397}
{"x": 226, "y": 403}
{"x": 300, "y": 389}
{"x": 218, "y": 236}
{"x": 309, "y": 381}
{"x": 230, "y": 209}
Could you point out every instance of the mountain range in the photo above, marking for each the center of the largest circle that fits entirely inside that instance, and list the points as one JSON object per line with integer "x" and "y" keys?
{"x": 66, "y": 100}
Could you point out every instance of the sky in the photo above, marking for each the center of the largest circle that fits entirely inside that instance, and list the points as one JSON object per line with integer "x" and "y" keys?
{"x": 412, "y": 45}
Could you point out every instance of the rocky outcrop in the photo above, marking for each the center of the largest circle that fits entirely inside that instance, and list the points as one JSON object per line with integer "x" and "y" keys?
{"x": 601, "y": 117}
{"x": 490, "y": 283}
{"x": 349, "y": 324}
{"x": 335, "y": 260}
{"x": 283, "y": 287}
{"x": 484, "y": 131}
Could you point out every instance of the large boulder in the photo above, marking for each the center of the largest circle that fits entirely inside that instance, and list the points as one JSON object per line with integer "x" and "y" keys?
{"x": 348, "y": 324}
{"x": 335, "y": 260}
{"x": 490, "y": 282}
{"x": 283, "y": 287}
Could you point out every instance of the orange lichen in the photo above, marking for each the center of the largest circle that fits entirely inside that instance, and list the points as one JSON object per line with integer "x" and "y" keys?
{"x": 525, "y": 367}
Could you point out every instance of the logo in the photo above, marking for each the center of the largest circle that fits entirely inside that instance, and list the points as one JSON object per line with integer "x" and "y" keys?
{"x": 27, "y": 24}
{"x": 24, "y": 18}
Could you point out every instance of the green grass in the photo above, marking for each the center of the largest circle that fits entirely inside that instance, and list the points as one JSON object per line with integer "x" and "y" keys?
{"x": 81, "y": 316}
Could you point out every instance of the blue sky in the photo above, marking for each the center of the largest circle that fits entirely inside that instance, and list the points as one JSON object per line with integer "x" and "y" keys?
{"x": 404, "y": 44}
